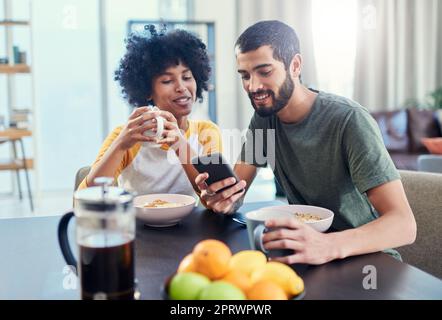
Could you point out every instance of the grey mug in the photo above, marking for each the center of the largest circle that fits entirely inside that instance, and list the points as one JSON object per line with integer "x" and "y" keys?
{"x": 256, "y": 228}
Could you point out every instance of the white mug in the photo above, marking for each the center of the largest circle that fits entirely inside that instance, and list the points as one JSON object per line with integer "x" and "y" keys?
{"x": 159, "y": 129}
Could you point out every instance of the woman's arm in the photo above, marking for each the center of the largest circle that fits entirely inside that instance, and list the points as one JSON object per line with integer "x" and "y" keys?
{"x": 110, "y": 161}
{"x": 107, "y": 165}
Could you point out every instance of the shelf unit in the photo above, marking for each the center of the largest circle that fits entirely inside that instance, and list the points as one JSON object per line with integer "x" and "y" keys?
{"x": 16, "y": 68}
{"x": 16, "y": 163}
{"x": 13, "y": 23}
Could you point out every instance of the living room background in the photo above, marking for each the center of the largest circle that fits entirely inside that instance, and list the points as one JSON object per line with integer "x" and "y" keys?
{"x": 77, "y": 46}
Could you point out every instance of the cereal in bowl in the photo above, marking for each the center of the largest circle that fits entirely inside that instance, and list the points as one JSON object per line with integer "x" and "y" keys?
{"x": 307, "y": 217}
{"x": 158, "y": 203}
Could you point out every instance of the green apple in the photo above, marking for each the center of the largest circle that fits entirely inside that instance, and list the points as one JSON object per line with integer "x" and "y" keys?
{"x": 187, "y": 285}
{"x": 221, "y": 290}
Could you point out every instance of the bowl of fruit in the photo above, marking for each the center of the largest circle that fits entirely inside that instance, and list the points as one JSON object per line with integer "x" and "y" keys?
{"x": 212, "y": 272}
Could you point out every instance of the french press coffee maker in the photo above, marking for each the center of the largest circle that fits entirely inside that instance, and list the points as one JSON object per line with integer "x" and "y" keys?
{"x": 105, "y": 234}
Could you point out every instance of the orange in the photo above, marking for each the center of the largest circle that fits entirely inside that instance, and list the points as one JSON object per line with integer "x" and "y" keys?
{"x": 187, "y": 264}
{"x": 266, "y": 290}
{"x": 238, "y": 279}
{"x": 211, "y": 258}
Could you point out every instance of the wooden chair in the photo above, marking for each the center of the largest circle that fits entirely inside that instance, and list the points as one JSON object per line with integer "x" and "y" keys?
{"x": 81, "y": 174}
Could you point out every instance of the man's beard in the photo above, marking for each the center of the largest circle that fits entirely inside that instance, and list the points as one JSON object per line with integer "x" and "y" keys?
{"x": 284, "y": 95}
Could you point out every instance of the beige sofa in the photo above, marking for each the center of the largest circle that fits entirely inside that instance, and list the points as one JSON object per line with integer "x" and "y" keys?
{"x": 424, "y": 193}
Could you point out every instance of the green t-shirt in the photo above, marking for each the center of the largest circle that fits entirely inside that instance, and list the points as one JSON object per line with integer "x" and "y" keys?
{"x": 329, "y": 159}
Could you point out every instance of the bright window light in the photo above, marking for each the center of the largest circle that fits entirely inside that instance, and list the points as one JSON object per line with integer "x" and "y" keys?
{"x": 334, "y": 38}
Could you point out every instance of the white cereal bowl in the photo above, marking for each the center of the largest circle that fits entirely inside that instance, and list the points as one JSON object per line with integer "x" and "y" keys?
{"x": 322, "y": 225}
{"x": 163, "y": 217}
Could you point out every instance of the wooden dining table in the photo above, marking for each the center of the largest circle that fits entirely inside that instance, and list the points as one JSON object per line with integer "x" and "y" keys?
{"x": 32, "y": 265}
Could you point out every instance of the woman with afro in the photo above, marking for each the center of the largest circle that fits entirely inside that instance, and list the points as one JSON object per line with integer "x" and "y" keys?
{"x": 169, "y": 70}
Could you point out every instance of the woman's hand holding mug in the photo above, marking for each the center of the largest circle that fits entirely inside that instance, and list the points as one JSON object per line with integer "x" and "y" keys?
{"x": 150, "y": 124}
{"x": 171, "y": 133}
{"x": 141, "y": 120}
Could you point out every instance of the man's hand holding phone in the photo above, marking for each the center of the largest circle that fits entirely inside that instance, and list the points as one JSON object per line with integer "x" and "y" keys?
{"x": 223, "y": 201}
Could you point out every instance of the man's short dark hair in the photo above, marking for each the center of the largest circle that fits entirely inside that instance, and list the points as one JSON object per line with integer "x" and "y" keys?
{"x": 148, "y": 56}
{"x": 281, "y": 37}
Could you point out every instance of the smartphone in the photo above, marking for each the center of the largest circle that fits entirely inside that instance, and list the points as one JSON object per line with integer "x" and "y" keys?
{"x": 217, "y": 168}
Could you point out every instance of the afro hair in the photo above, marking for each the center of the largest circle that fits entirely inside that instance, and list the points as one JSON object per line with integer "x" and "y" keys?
{"x": 148, "y": 56}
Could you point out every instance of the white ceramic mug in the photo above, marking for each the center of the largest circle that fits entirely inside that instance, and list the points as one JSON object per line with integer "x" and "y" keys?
{"x": 159, "y": 129}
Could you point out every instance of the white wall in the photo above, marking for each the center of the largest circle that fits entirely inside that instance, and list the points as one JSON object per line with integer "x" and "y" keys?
{"x": 223, "y": 13}
{"x": 117, "y": 14}
{"x": 68, "y": 111}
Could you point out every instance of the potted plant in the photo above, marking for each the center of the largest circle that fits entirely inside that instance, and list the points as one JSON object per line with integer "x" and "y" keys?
{"x": 435, "y": 99}
{"x": 434, "y": 102}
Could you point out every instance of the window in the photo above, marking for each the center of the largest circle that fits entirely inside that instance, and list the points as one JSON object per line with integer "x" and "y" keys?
{"x": 334, "y": 38}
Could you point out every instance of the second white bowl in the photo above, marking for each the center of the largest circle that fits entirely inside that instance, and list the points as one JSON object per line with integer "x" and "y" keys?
{"x": 163, "y": 217}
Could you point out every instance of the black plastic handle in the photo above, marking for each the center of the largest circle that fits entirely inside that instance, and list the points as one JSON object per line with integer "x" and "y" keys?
{"x": 64, "y": 241}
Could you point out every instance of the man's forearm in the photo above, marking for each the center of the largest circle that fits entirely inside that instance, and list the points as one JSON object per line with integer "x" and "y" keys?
{"x": 388, "y": 231}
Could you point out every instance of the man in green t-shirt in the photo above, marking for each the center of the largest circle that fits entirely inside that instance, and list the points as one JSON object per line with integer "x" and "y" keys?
{"x": 324, "y": 150}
